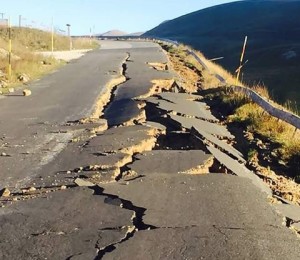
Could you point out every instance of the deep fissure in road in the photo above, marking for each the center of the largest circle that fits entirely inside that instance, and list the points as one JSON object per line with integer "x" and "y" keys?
{"x": 137, "y": 220}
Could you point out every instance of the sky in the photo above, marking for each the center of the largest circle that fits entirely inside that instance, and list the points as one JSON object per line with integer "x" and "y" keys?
{"x": 98, "y": 16}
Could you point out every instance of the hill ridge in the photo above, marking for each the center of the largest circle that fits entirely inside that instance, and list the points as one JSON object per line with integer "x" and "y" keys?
{"x": 273, "y": 30}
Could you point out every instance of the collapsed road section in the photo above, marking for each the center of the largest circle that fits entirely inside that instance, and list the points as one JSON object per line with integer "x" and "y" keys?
{"x": 156, "y": 177}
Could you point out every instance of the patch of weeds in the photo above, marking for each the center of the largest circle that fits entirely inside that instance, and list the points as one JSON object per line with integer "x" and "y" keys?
{"x": 189, "y": 65}
{"x": 252, "y": 155}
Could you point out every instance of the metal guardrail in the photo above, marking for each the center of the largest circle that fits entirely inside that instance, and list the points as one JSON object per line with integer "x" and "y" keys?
{"x": 281, "y": 114}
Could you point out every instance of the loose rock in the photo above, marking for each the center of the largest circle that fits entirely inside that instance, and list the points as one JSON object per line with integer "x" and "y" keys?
{"x": 26, "y": 92}
{"x": 5, "y": 192}
{"x": 83, "y": 183}
{"x": 23, "y": 78}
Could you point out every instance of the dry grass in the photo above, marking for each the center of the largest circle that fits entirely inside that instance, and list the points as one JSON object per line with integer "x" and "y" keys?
{"x": 26, "y": 62}
{"x": 262, "y": 90}
{"x": 189, "y": 76}
{"x": 208, "y": 77}
{"x": 213, "y": 69}
{"x": 38, "y": 40}
{"x": 25, "y": 42}
{"x": 258, "y": 121}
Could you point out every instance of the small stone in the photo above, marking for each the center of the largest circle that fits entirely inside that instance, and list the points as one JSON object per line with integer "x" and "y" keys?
{"x": 3, "y": 154}
{"x": 23, "y": 78}
{"x": 31, "y": 189}
{"x": 5, "y": 192}
{"x": 15, "y": 199}
{"x": 281, "y": 162}
{"x": 69, "y": 172}
{"x": 63, "y": 187}
{"x": 26, "y": 92}
{"x": 83, "y": 183}
{"x": 11, "y": 90}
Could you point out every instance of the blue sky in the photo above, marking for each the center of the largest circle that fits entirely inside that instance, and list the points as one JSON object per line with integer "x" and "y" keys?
{"x": 100, "y": 15}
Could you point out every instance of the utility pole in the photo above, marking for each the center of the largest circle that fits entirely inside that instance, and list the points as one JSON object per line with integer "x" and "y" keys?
{"x": 9, "y": 49}
{"x": 90, "y": 35}
{"x": 2, "y": 15}
{"x": 69, "y": 35}
{"x": 52, "y": 37}
{"x": 20, "y": 21}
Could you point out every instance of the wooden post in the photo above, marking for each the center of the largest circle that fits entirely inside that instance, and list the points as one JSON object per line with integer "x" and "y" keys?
{"x": 52, "y": 37}
{"x": 241, "y": 60}
{"x": 9, "y": 49}
{"x": 295, "y": 132}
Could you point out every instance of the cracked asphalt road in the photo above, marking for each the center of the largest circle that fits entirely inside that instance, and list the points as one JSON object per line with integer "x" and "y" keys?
{"x": 145, "y": 196}
{"x": 66, "y": 95}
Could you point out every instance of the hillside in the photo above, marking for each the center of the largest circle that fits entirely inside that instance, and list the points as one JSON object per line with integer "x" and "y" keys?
{"x": 273, "y": 28}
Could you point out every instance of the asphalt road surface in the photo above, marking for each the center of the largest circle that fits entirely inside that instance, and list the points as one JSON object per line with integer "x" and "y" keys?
{"x": 27, "y": 124}
{"x": 169, "y": 188}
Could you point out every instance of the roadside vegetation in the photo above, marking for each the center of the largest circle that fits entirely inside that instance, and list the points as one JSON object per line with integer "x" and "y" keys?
{"x": 271, "y": 146}
{"x": 26, "y": 63}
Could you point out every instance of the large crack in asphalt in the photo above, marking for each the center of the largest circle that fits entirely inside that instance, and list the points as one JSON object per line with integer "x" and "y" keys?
{"x": 105, "y": 98}
{"x": 115, "y": 87}
{"x": 137, "y": 219}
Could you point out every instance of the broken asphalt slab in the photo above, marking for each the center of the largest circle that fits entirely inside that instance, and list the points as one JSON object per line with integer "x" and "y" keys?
{"x": 122, "y": 111}
{"x": 172, "y": 162}
{"x": 211, "y": 128}
{"x": 100, "y": 156}
{"x": 239, "y": 169}
{"x": 122, "y": 139}
{"x": 60, "y": 225}
{"x": 221, "y": 144}
{"x": 181, "y": 210}
{"x": 290, "y": 211}
{"x": 156, "y": 125}
{"x": 139, "y": 77}
{"x": 185, "y": 107}
{"x": 176, "y": 97}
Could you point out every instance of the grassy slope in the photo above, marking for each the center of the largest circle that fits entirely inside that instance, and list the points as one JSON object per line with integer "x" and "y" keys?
{"x": 273, "y": 28}
{"x": 25, "y": 42}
